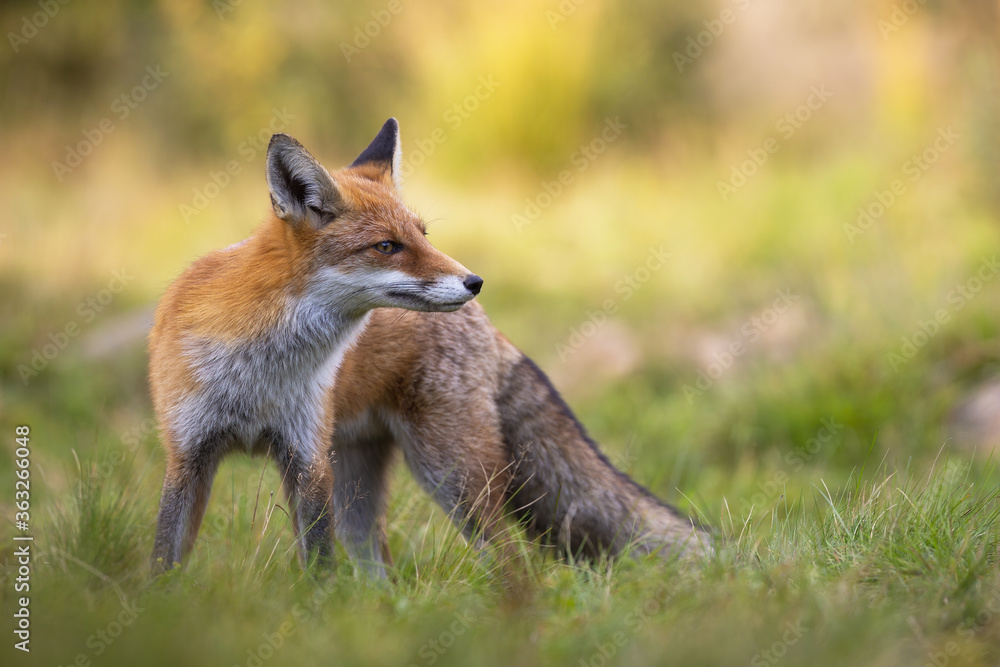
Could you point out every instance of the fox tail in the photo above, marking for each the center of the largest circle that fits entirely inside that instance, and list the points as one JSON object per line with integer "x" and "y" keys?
{"x": 567, "y": 493}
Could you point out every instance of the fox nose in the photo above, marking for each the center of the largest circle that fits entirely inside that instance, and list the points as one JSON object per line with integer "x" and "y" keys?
{"x": 473, "y": 283}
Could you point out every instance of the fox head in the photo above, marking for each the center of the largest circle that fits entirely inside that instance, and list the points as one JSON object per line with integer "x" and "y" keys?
{"x": 364, "y": 248}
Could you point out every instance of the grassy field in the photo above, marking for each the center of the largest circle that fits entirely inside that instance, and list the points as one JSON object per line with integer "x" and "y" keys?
{"x": 856, "y": 522}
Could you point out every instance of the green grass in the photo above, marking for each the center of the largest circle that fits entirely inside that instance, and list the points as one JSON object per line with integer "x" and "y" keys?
{"x": 891, "y": 568}
{"x": 873, "y": 541}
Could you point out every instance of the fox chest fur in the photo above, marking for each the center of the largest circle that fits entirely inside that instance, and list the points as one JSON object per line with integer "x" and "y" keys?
{"x": 249, "y": 391}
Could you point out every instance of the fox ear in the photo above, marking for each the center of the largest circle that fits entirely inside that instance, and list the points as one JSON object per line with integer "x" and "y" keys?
{"x": 302, "y": 190}
{"x": 384, "y": 152}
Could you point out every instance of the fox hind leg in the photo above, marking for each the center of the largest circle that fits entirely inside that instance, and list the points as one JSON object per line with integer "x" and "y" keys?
{"x": 464, "y": 466}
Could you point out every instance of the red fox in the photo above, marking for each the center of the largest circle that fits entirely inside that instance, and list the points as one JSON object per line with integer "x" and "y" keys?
{"x": 293, "y": 343}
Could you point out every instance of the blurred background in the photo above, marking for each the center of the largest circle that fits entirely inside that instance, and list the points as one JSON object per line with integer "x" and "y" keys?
{"x": 754, "y": 242}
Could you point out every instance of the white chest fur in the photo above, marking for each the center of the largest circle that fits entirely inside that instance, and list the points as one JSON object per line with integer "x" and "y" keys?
{"x": 275, "y": 383}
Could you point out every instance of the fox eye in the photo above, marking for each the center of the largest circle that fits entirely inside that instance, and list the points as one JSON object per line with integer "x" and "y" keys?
{"x": 388, "y": 247}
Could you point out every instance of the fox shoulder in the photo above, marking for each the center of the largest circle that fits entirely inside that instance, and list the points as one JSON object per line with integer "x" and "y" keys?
{"x": 234, "y": 293}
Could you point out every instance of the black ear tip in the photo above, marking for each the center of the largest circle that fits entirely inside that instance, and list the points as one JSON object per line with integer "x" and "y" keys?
{"x": 383, "y": 146}
{"x": 280, "y": 139}
{"x": 390, "y": 128}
